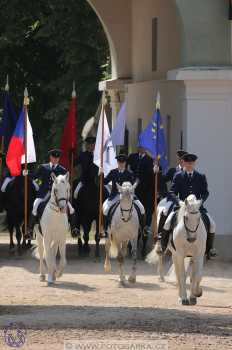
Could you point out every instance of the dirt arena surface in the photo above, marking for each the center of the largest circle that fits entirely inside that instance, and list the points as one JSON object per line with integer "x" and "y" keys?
{"x": 87, "y": 304}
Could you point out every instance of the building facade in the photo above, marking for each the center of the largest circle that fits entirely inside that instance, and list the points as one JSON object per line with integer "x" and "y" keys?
{"x": 183, "y": 49}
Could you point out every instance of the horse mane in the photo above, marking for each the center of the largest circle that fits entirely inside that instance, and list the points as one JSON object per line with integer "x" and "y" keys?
{"x": 181, "y": 211}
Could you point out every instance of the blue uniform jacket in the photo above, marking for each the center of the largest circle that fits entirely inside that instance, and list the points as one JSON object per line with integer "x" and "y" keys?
{"x": 142, "y": 170}
{"x": 116, "y": 177}
{"x": 43, "y": 177}
{"x": 182, "y": 186}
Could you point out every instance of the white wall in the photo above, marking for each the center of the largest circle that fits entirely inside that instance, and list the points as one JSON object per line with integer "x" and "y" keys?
{"x": 208, "y": 107}
{"x": 168, "y": 38}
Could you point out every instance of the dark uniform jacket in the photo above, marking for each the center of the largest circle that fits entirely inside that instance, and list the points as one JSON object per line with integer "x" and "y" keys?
{"x": 142, "y": 169}
{"x": 183, "y": 186}
{"x": 169, "y": 176}
{"x": 118, "y": 177}
{"x": 43, "y": 177}
{"x": 89, "y": 170}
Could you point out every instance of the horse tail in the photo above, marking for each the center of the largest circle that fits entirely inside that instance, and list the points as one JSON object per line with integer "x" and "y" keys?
{"x": 113, "y": 248}
{"x": 152, "y": 258}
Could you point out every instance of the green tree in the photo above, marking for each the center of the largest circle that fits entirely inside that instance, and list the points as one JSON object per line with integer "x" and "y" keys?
{"x": 46, "y": 45}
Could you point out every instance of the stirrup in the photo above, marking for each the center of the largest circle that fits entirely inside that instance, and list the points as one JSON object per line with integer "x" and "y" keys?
{"x": 147, "y": 231}
{"x": 212, "y": 253}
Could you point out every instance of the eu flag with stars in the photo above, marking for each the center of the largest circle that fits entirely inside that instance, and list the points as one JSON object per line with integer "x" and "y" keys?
{"x": 152, "y": 138}
{"x": 8, "y": 122}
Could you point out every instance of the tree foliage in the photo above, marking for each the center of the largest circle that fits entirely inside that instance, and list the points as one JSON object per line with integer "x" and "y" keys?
{"x": 46, "y": 44}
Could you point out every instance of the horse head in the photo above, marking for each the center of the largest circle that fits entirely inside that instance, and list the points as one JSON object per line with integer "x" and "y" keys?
{"x": 126, "y": 190}
{"x": 60, "y": 190}
{"x": 190, "y": 211}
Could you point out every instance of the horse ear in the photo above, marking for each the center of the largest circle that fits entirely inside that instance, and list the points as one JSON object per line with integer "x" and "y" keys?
{"x": 53, "y": 176}
{"x": 135, "y": 185}
{"x": 119, "y": 187}
{"x": 67, "y": 176}
{"x": 186, "y": 202}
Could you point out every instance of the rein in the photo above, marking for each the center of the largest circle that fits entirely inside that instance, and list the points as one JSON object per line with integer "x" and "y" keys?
{"x": 188, "y": 231}
{"x": 57, "y": 201}
{"x": 127, "y": 211}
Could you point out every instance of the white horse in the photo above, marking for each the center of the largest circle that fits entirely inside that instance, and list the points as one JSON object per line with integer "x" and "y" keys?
{"x": 124, "y": 228}
{"x": 54, "y": 226}
{"x": 189, "y": 240}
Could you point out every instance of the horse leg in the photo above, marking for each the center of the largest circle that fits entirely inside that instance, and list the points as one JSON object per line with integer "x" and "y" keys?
{"x": 199, "y": 261}
{"x": 121, "y": 259}
{"x": 161, "y": 268}
{"x": 62, "y": 263}
{"x": 18, "y": 238}
{"x": 178, "y": 261}
{"x": 144, "y": 247}
{"x": 132, "y": 277}
{"x": 192, "y": 299}
{"x": 49, "y": 258}
{"x": 11, "y": 231}
{"x": 86, "y": 247}
{"x": 42, "y": 269}
{"x": 107, "y": 265}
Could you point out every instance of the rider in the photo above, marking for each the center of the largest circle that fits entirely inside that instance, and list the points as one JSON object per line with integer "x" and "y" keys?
{"x": 187, "y": 182}
{"x": 7, "y": 178}
{"x": 118, "y": 176}
{"x": 89, "y": 170}
{"x": 44, "y": 179}
{"x": 142, "y": 166}
{"x": 168, "y": 177}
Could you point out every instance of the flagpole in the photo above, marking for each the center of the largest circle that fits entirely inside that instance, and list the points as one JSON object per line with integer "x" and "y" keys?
{"x": 156, "y": 175}
{"x": 25, "y": 172}
{"x": 7, "y": 88}
{"x": 101, "y": 167}
{"x": 74, "y": 95}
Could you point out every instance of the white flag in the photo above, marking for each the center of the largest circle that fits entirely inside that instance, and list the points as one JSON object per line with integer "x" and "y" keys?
{"x": 31, "y": 155}
{"x": 109, "y": 161}
{"x": 118, "y": 132}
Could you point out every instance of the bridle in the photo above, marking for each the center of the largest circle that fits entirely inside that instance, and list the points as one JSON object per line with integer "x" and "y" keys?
{"x": 130, "y": 211}
{"x": 57, "y": 201}
{"x": 188, "y": 231}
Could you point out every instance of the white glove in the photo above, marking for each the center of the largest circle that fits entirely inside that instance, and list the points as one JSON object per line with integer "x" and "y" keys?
{"x": 156, "y": 169}
{"x": 100, "y": 171}
{"x": 25, "y": 172}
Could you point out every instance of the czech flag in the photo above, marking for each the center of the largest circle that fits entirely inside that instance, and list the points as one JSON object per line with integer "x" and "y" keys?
{"x": 16, "y": 148}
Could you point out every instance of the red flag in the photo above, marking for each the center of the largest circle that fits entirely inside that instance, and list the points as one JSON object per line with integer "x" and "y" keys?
{"x": 69, "y": 138}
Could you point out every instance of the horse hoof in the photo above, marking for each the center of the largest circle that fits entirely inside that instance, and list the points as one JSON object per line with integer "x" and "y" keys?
{"x": 192, "y": 301}
{"x": 132, "y": 279}
{"x": 183, "y": 301}
{"x": 24, "y": 246}
{"x": 199, "y": 294}
{"x": 86, "y": 249}
{"x": 50, "y": 284}
{"x": 42, "y": 278}
{"x": 122, "y": 282}
{"x": 161, "y": 279}
{"x": 29, "y": 245}
{"x": 11, "y": 248}
{"x": 107, "y": 268}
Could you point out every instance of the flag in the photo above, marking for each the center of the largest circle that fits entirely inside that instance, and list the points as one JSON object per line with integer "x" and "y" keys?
{"x": 118, "y": 132}
{"x": 8, "y": 122}
{"x": 16, "y": 148}
{"x": 152, "y": 138}
{"x": 31, "y": 154}
{"x": 69, "y": 138}
{"x": 109, "y": 161}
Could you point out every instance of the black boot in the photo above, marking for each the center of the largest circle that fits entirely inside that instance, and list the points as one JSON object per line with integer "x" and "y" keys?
{"x": 106, "y": 224}
{"x": 2, "y": 201}
{"x": 75, "y": 232}
{"x": 162, "y": 243}
{"x": 210, "y": 251}
{"x": 31, "y": 225}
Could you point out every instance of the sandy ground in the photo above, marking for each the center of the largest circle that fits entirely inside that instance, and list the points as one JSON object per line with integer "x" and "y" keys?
{"x": 87, "y": 304}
